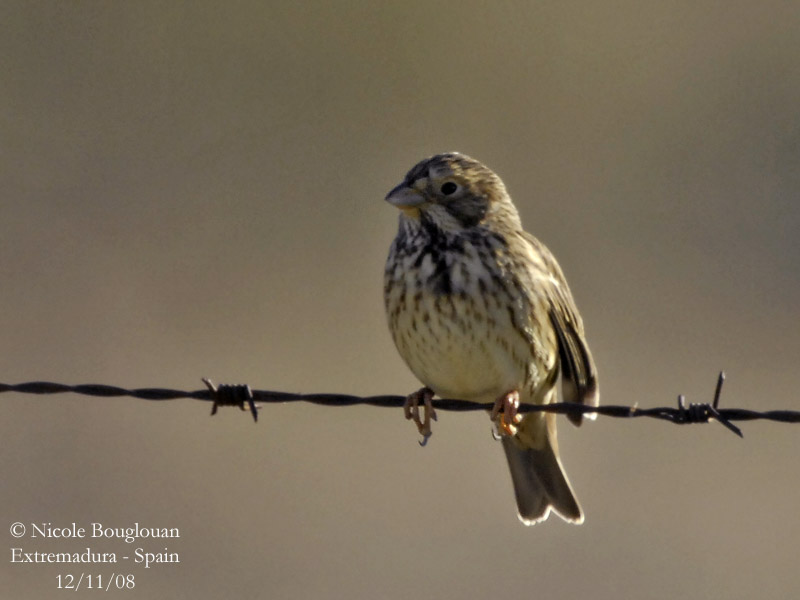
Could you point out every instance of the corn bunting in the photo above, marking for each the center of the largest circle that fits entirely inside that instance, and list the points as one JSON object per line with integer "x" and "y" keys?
{"x": 480, "y": 311}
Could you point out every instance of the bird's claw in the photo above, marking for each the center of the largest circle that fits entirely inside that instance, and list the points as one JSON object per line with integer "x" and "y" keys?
{"x": 504, "y": 413}
{"x": 411, "y": 412}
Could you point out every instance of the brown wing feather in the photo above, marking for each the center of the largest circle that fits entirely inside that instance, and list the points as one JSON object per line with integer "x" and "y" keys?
{"x": 578, "y": 373}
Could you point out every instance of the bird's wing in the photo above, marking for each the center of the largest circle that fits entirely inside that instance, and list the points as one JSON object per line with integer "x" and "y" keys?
{"x": 578, "y": 373}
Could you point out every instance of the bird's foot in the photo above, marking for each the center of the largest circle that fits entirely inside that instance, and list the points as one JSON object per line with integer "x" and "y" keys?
{"x": 504, "y": 413}
{"x": 411, "y": 411}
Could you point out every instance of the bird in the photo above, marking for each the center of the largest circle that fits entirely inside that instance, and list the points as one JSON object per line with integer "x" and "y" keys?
{"x": 480, "y": 311}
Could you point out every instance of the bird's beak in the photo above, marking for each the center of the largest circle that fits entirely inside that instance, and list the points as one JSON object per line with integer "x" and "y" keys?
{"x": 404, "y": 197}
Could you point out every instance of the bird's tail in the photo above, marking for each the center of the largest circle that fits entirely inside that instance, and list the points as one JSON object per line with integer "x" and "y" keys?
{"x": 540, "y": 483}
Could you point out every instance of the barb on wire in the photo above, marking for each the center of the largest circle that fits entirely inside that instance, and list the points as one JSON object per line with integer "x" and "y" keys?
{"x": 242, "y": 395}
{"x": 231, "y": 395}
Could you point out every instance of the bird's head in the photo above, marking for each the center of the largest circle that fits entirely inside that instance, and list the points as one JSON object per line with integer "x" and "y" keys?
{"x": 454, "y": 192}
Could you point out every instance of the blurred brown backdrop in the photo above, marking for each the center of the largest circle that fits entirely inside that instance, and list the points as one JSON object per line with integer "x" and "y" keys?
{"x": 192, "y": 189}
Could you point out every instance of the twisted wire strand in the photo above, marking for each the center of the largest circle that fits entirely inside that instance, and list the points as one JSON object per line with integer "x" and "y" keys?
{"x": 246, "y": 399}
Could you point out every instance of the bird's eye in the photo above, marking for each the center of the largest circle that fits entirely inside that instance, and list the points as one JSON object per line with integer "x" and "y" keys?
{"x": 449, "y": 188}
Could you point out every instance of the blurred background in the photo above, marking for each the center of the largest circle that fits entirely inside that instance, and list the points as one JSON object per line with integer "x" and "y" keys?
{"x": 196, "y": 189}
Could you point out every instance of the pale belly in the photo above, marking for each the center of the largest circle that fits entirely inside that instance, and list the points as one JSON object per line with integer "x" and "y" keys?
{"x": 459, "y": 354}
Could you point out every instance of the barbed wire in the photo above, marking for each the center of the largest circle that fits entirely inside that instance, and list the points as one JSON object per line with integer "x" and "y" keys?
{"x": 246, "y": 399}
